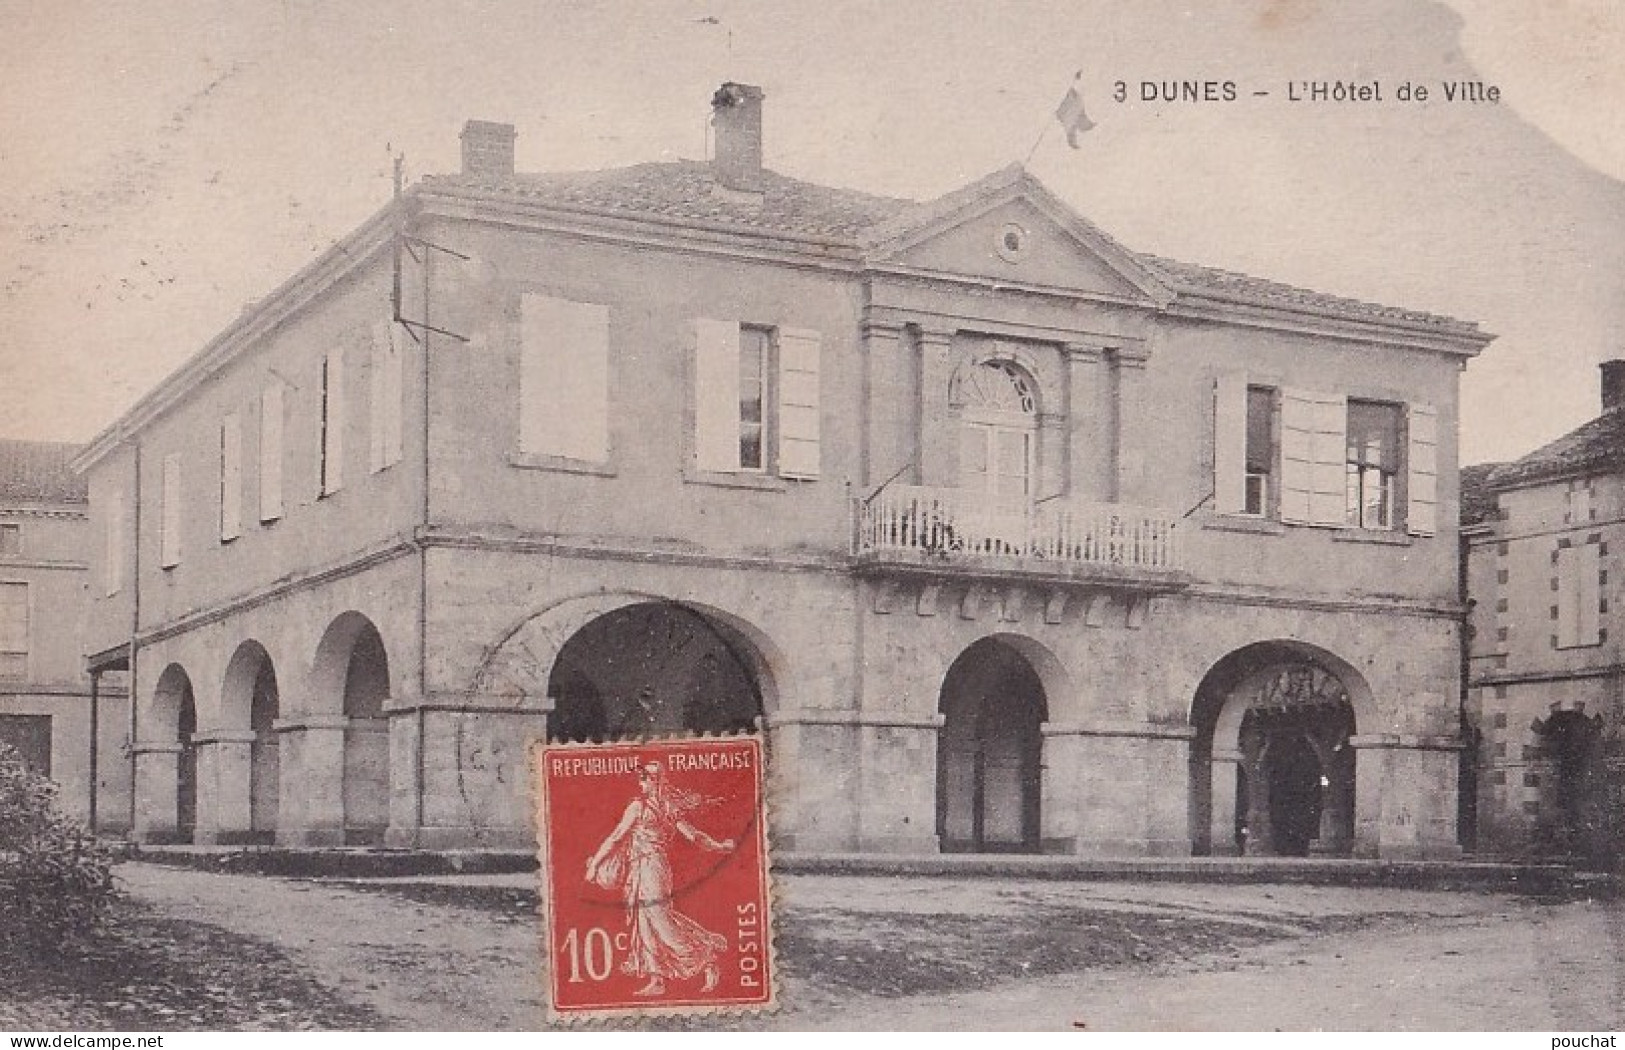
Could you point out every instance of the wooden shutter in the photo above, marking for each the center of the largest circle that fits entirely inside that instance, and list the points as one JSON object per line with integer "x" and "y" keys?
{"x": 271, "y": 452}
{"x": 564, "y": 378}
{"x": 799, "y": 423}
{"x": 1328, "y": 499}
{"x": 1587, "y": 616}
{"x": 385, "y": 405}
{"x": 1230, "y": 444}
{"x": 170, "y": 513}
{"x": 231, "y": 477}
{"x": 113, "y": 555}
{"x": 1568, "y": 598}
{"x": 332, "y": 422}
{"x": 716, "y": 394}
{"x": 1421, "y": 470}
{"x": 1298, "y": 420}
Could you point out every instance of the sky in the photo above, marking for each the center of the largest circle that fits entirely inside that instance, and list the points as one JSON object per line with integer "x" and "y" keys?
{"x": 168, "y": 162}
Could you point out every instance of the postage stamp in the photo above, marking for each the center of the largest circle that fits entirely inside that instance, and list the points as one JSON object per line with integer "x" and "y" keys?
{"x": 654, "y": 876}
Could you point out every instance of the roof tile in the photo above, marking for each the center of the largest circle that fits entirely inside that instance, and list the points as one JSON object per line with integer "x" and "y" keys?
{"x": 38, "y": 472}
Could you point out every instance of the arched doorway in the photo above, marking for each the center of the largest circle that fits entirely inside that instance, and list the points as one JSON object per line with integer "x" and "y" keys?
{"x": 989, "y": 751}
{"x": 250, "y": 699}
{"x": 351, "y": 674}
{"x": 1574, "y": 818}
{"x": 650, "y": 668}
{"x": 174, "y": 714}
{"x": 1272, "y": 770}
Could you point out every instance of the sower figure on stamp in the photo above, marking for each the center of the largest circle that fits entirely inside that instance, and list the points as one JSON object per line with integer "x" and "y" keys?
{"x": 665, "y": 942}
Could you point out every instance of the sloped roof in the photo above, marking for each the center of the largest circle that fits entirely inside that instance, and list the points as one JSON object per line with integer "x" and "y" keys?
{"x": 686, "y": 191}
{"x": 1594, "y": 448}
{"x": 38, "y": 472}
{"x": 1478, "y": 502}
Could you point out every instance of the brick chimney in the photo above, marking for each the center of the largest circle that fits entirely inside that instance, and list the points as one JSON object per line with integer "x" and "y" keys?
{"x": 488, "y": 148}
{"x": 1613, "y": 384}
{"x": 736, "y": 114}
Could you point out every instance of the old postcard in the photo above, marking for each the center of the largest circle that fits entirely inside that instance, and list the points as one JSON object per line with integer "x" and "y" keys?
{"x": 1070, "y": 515}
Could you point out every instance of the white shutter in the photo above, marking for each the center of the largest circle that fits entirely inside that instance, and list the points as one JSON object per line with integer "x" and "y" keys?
{"x": 385, "y": 405}
{"x": 716, "y": 394}
{"x": 799, "y": 354}
{"x": 332, "y": 422}
{"x": 1230, "y": 444}
{"x": 271, "y": 452}
{"x": 169, "y": 519}
{"x": 113, "y": 556}
{"x": 1568, "y": 598}
{"x": 231, "y": 477}
{"x": 1298, "y": 422}
{"x": 564, "y": 378}
{"x": 1587, "y": 618}
{"x": 1328, "y": 500}
{"x": 1421, "y": 471}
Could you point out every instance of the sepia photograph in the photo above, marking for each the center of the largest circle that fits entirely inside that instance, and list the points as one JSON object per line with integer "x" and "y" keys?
{"x": 1059, "y": 515}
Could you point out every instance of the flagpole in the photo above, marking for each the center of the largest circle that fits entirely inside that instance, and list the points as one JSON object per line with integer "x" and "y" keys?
{"x": 1076, "y": 77}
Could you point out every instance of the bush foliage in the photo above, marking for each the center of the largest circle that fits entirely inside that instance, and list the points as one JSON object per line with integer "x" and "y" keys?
{"x": 56, "y": 880}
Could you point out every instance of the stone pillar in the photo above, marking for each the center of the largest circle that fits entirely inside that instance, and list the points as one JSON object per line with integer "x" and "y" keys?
{"x": 897, "y": 796}
{"x": 1224, "y": 769}
{"x": 1127, "y": 792}
{"x": 156, "y": 775}
{"x": 1090, "y": 459}
{"x": 1405, "y": 796}
{"x": 1167, "y": 750}
{"x": 891, "y": 406}
{"x": 406, "y": 716}
{"x": 1059, "y": 815}
{"x": 476, "y": 776}
{"x": 310, "y": 810}
{"x": 224, "y": 759}
{"x": 812, "y": 777}
{"x": 938, "y": 441}
{"x": 1132, "y": 417}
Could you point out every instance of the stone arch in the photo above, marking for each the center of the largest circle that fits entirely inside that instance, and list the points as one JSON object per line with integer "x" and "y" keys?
{"x": 350, "y": 685}
{"x": 518, "y": 668}
{"x": 250, "y": 699}
{"x": 172, "y": 718}
{"x": 1272, "y": 764}
{"x": 998, "y": 353}
{"x": 994, "y": 701}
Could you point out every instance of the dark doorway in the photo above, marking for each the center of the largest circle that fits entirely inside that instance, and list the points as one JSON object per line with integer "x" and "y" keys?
{"x": 1295, "y": 795}
{"x": 655, "y": 667}
{"x": 989, "y": 752}
{"x": 186, "y": 769}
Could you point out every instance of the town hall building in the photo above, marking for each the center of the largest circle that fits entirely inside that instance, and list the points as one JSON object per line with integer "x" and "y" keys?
{"x": 1007, "y": 537}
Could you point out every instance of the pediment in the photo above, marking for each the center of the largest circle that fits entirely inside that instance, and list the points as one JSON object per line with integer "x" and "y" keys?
{"x": 1016, "y": 233}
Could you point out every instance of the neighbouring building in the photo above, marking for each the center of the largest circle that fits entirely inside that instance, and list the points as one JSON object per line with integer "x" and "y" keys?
{"x": 1543, "y": 540}
{"x": 1008, "y": 537}
{"x": 46, "y": 706}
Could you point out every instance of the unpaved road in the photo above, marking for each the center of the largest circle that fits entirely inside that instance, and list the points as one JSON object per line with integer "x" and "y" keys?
{"x": 1431, "y": 961}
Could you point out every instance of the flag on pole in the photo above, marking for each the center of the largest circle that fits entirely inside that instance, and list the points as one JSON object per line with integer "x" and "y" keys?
{"x": 1072, "y": 117}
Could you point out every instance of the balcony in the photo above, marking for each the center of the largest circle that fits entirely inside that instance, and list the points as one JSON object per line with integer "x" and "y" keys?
{"x": 913, "y": 529}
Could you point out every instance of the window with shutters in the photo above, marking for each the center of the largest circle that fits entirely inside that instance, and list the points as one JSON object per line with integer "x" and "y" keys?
{"x": 271, "y": 423}
{"x": 113, "y": 549}
{"x": 1579, "y": 596}
{"x": 1258, "y": 491}
{"x": 13, "y": 631}
{"x": 170, "y": 513}
{"x": 332, "y": 423}
{"x": 1373, "y": 465}
{"x": 999, "y": 424}
{"x": 384, "y": 401}
{"x": 231, "y": 478}
{"x": 563, "y": 382}
{"x": 756, "y": 399}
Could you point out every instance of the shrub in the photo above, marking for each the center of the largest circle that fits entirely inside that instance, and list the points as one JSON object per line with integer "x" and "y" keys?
{"x": 56, "y": 880}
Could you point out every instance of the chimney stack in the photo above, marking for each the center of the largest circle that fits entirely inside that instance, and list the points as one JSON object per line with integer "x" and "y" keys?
{"x": 1613, "y": 384}
{"x": 487, "y": 148}
{"x": 736, "y": 114}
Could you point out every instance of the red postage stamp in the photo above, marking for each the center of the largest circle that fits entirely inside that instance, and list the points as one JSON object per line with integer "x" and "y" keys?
{"x": 654, "y": 876}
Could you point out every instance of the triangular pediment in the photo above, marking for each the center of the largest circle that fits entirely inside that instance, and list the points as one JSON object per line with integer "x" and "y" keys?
{"x": 1008, "y": 228}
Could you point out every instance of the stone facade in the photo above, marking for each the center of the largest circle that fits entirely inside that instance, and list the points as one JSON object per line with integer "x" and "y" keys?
{"x": 956, "y": 500}
{"x": 46, "y": 709}
{"x": 1542, "y": 540}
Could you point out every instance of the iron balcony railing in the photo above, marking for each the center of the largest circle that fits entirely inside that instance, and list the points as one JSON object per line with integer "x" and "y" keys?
{"x": 916, "y": 523}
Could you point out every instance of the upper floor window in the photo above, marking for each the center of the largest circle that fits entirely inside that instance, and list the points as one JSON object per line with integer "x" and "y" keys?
{"x": 169, "y": 519}
{"x": 999, "y": 420}
{"x": 1579, "y": 596}
{"x": 332, "y": 421}
{"x": 385, "y": 402}
{"x": 271, "y": 421}
{"x": 1372, "y": 472}
{"x": 564, "y": 379}
{"x": 1313, "y": 458}
{"x": 756, "y": 399}
{"x": 113, "y": 549}
{"x": 13, "y": 630}
{"x": 11, "y": 540}
{"x": 231, "y": 477}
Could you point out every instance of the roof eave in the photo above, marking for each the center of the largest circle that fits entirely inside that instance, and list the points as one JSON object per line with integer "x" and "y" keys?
{"x": 1449, "y": 336}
